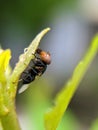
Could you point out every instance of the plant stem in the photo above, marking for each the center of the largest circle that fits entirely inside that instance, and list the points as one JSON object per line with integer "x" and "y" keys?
{"x": 10, "y": 121}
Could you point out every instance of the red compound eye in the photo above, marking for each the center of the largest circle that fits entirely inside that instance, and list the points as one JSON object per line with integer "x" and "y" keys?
{"x": 45, "y": 56}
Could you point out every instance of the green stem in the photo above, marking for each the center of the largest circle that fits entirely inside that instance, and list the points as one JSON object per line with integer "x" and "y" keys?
{"x": 10, "y": 121}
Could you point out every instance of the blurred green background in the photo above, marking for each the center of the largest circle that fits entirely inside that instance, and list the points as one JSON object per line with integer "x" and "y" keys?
{"x": 73, "y": 24}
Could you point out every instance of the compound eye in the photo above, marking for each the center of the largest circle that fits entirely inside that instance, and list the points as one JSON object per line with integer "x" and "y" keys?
{"x": 45, "y": 56}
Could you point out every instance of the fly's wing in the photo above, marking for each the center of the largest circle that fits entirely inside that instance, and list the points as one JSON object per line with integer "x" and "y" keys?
{"x": 23, "y": 88}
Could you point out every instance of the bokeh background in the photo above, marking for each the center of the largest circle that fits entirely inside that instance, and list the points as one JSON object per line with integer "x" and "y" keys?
{"x": 73, "y": 23}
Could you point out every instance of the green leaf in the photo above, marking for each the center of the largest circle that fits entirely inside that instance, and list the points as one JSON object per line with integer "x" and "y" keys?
{"x": 55, "y": 114}
{"x": 23, "y": 62}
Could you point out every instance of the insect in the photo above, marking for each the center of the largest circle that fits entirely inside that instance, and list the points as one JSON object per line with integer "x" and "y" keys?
{"x": 36, "y": 67}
